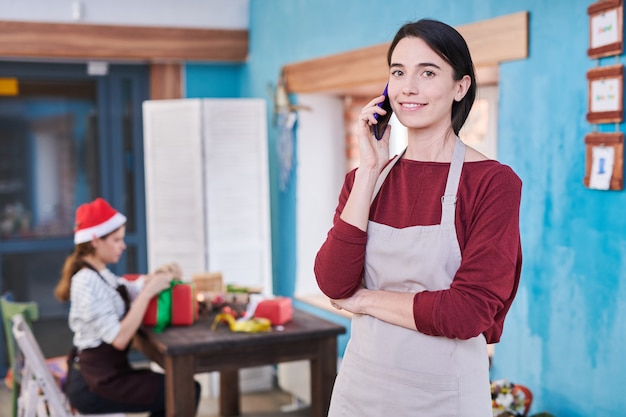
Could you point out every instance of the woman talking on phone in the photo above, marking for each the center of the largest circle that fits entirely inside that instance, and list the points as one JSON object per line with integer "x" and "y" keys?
{"x": 425, "y": 248}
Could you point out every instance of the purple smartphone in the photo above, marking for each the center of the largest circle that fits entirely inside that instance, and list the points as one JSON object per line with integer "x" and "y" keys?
{"x": 379, "y": 128}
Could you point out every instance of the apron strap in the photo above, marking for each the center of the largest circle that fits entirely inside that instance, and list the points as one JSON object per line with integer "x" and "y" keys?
{"x": 448, "y": 199}
{"x": 121, "y": 289}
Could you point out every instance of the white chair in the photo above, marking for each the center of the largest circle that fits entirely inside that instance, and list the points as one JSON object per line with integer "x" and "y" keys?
{"x": 40, "y": 395}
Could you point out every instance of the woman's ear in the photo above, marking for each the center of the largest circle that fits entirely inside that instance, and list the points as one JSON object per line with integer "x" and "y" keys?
{"x": 462, "y": 86}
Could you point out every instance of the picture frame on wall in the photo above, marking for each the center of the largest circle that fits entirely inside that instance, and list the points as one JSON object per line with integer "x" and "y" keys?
{"x": 606, "y": 20}
{"x": 605, "y": 94}
{"x": 604, "y": 161}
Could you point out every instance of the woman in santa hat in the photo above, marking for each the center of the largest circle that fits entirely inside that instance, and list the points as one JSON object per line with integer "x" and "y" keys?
{"x": 105, "y": 313}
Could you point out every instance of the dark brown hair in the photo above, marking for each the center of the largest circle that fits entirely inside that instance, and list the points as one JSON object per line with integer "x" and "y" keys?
{"x": 74, "y": 263}
{"x": 452, "y": 48}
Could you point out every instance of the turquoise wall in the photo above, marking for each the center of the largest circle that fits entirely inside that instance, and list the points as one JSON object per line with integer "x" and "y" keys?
{"x": 213, "y": 80}
{"x": 565, "y": 333}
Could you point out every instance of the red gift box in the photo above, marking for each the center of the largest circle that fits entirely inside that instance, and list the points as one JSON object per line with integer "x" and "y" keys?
{"x": 184, "y": 304}
{"x": 150, "y": 317}
{"x": 184, "y": 310}
{"x": 278, "y": 310}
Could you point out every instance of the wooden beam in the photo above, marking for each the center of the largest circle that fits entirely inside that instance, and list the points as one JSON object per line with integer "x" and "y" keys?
{"x": 490, "y": 41}
{"x": 496, "y": 40}
{"x": 166, "y": 81}
{"x": 338, "y": 72}
{"x": 108, "y": 42}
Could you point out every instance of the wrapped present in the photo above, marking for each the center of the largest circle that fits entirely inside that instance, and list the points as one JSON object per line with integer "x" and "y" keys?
{"x": 150, "y": 317}
{"x": 176, "y": 305}
{"x": 278, "y": 310}
{"x": 208, "y": 282}
{"x": 184, "y": 304}
{"x": 159, "y": 311}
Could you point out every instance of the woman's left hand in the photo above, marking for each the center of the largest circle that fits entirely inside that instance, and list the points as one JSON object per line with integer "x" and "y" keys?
{"x": 351, "y": 304}
{"x": 389, "y": 306}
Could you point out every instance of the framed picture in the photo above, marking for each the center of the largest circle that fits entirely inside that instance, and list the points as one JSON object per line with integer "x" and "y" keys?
{"x": 606, "y": 94}
{"x": 604, "y": 161}
{"x": 605, "y": 28}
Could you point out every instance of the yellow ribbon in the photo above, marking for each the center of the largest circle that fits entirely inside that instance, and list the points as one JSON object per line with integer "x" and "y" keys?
{"x": 254, "y": 325}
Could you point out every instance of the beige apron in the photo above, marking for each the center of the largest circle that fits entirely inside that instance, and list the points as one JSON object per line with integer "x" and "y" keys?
{"x": 392, "y": 371}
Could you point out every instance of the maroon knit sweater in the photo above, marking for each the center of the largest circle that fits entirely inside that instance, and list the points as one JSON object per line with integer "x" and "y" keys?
{"x": 487, "y": 226}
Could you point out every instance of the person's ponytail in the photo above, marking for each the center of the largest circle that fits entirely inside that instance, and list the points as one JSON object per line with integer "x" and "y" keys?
{"x": 73, "y": 263}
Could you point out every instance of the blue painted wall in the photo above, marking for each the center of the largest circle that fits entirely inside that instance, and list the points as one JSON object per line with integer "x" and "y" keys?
{"x": 213, "y": 80}
{"x": 566, "y": 332}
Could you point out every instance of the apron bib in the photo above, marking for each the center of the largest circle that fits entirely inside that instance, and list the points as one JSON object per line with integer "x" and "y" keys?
{"x": 390, "y": 370}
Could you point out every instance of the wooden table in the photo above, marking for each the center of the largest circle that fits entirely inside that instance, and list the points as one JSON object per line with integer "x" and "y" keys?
{"x": 184, "y": 351}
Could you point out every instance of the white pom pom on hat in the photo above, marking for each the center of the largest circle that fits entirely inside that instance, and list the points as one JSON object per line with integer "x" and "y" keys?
{"x": 96, "y": 219}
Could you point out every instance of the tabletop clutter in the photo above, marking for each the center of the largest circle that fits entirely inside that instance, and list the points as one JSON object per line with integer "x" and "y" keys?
{"x": 243, "y": 309}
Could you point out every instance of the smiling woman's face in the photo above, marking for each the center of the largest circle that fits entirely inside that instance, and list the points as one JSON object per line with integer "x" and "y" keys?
{"x": 421, "y": 86}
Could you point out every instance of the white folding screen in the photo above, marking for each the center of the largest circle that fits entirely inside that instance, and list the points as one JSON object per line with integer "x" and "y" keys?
{"x": 207, "y": 187}
{"x": 237, "y": 190}
{"x": 174, "y": 178}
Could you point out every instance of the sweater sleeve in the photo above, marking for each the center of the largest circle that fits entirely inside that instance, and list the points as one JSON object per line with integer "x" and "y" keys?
{"x": 133, "y": 287}
{"x": 339, "y": 262}
{"x": 484, "y": 286}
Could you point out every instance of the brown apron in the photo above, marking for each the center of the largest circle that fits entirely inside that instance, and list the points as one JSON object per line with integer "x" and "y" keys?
{"x": 389, "y": 370}
{"x": 109, "y": 374}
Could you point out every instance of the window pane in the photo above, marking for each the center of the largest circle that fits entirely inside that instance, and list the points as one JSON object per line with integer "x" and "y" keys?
{"x": 132, "y": 264}
{"x": 48, "y": 157}
{"x": 129, "y": 153}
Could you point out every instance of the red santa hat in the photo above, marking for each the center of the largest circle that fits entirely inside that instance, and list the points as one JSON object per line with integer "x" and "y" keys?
{"x": 96, "y": 219}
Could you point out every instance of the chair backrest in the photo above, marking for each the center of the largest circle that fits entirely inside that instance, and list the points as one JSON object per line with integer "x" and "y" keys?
{"x": 28, "y": 310}
{"x": 35, "y": 364}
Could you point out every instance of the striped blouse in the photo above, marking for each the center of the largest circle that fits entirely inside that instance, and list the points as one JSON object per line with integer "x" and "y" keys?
{"x": 96, "y": 306}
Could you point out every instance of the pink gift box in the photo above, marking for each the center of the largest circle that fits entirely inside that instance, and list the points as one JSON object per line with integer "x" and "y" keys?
{"x": 278, "y": 310}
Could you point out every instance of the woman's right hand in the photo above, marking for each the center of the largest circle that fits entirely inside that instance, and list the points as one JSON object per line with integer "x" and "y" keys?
{"x": 374, "y": 154}
{"x": 153, "y": 284}
{"x": 373, "y": 158}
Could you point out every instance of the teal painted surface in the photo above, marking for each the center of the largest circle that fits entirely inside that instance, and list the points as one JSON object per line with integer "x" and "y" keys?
{"x": 565, "y": 333}
{"x": 204, "y": 80}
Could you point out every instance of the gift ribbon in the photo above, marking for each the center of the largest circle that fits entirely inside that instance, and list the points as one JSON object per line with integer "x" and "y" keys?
{"x": 253, "y": 325}
{"x": 164, "y": 308}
